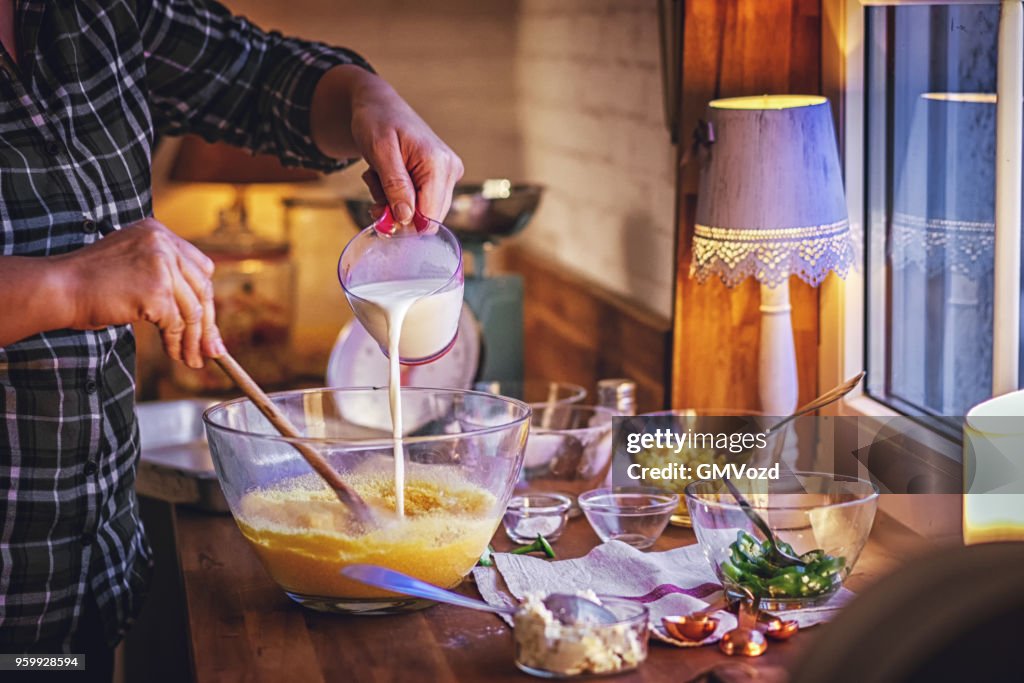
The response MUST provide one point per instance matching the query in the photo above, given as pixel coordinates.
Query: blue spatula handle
(397, 582)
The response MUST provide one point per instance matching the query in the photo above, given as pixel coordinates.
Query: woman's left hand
(410, 166)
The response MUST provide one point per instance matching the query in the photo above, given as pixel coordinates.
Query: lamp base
(776, 371)
(776, 374)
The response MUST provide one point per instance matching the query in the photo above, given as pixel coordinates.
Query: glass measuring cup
(422, 260)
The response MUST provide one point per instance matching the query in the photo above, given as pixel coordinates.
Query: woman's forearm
(142, 272)
(331, 109)
(34, 297)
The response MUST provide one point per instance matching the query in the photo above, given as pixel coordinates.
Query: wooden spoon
(346, 494)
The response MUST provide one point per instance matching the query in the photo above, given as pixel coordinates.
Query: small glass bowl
(584, 650)
(636, 515)
(536, 513)
(569, 449)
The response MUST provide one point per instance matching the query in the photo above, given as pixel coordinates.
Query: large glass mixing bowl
(463, 453)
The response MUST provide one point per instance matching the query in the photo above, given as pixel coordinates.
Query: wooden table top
(243, 627)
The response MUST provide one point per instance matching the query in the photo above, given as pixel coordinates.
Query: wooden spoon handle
(346, 494)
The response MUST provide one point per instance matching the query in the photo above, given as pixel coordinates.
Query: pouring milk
(413, 321)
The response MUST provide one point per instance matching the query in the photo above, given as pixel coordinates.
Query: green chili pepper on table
(485, 557)
(539, 545)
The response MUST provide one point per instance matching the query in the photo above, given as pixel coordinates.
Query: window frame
(843, 339)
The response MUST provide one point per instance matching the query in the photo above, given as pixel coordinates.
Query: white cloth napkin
(674, 582)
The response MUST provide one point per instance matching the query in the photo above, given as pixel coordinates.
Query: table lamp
(771, 205)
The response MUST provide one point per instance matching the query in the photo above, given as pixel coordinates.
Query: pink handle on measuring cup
(386, 223)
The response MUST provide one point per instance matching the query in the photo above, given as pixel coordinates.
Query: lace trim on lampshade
(771, 256)
(937, 245)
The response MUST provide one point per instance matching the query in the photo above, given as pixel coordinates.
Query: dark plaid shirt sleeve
(95, 80)
(218, 75)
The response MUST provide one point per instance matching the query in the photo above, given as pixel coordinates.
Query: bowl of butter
(548, 648)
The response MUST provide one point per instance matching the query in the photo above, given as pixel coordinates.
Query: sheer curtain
(941, 229)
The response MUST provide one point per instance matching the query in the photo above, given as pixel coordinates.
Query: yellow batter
(304, 535)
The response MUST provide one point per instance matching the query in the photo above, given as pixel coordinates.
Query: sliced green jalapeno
(749, 566)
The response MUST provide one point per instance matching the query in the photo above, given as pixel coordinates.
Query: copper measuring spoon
(699, 625)
(695, 626)
(746, 639)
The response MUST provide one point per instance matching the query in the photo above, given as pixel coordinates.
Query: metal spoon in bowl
(830, 396)
(568, 609)
(780, 556)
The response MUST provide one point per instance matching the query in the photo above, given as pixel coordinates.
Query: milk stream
(429, 321)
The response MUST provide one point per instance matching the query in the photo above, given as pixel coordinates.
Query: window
(924, 82)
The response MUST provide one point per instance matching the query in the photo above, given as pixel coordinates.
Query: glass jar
(618, 394)
(254, 293)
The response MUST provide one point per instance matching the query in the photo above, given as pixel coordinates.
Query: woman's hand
(410, 167)
(146, 272)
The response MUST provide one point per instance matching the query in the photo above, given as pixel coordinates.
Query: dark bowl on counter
(480, 212)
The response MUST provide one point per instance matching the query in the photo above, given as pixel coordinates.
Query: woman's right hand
(146, 272)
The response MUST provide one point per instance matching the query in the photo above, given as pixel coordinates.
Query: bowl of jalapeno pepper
(822, 519)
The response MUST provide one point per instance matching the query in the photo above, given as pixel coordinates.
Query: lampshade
(199, 161)
(771, 200)
(944, 205)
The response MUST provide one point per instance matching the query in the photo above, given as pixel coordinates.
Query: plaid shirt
(95, 80)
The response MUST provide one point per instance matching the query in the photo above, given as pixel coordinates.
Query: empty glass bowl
(538, 393)
(463, 451)
(533, 514)
(826, 518)
(636, 515)
(570, 449)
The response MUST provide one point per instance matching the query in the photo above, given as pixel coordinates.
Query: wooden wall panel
(731, 48)
(575, 331)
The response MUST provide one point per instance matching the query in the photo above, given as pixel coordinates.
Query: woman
(86, 87)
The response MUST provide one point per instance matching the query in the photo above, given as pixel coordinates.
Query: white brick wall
(589, 100)
(562, 92)
(451, 59)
